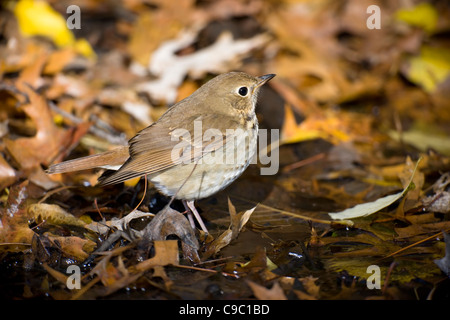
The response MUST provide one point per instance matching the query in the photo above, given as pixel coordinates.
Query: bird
(197, 148)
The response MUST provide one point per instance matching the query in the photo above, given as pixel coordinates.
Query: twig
(296, 215)
(303, 162)
(411, 245)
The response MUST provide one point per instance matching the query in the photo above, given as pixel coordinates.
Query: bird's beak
(263, 79)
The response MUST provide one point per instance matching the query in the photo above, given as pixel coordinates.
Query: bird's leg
(190, 207)
(189, 215)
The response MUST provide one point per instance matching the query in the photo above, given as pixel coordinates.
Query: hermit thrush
(197, 147)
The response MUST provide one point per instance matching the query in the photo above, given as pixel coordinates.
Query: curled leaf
(366, 209)
(238, 220)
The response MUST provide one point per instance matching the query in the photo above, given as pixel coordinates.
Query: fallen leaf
(418, 179)
(61, 277)
(159, 25)
(440, 200)
(424, 137)
(423, 15)
(423, 228)
(38, 18)
(14, 218)
(309, 283)
(335, 127)
(366, 209)
(238, 220)
(75, 247)
(7, 174)
(166, 253)
(171, 69)
(49, 140)
(53, 214)
(58, 60)
(262, 293)
(170, 222)
(430, 68)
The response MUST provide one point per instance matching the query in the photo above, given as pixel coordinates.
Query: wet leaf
(170, 222)
(238, 220)
(351, 123)
(309, 283)
(262, 293)
(75, 247)
(166, 253)
(14, 224)
(53, 214)
(365, 209)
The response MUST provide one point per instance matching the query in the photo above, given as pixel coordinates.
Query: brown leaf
(7, 174)
(48, 141)
(166, 253)
(171, 222)
(53, 214)
(309, 283)
(262, 293)
(58, 60)
(75, 247)
(238, 220)
(14, 217)
(159, 25)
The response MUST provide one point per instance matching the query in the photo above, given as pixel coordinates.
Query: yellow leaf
(424, 15)
(38, 18)
(83, 47)
(430, 69)
(424, 137)
(293, 132)
(328, 125)
(54, 214)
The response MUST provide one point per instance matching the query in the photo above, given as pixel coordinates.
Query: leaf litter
(357, 108)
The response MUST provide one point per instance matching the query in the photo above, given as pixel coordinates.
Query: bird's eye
(243, 91)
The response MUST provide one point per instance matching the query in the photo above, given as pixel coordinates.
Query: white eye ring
(242, 91)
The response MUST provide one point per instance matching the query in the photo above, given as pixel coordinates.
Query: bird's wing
(159, 146)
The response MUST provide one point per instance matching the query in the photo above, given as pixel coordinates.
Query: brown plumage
(225, 107)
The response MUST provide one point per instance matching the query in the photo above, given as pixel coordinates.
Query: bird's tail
(111, 159)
